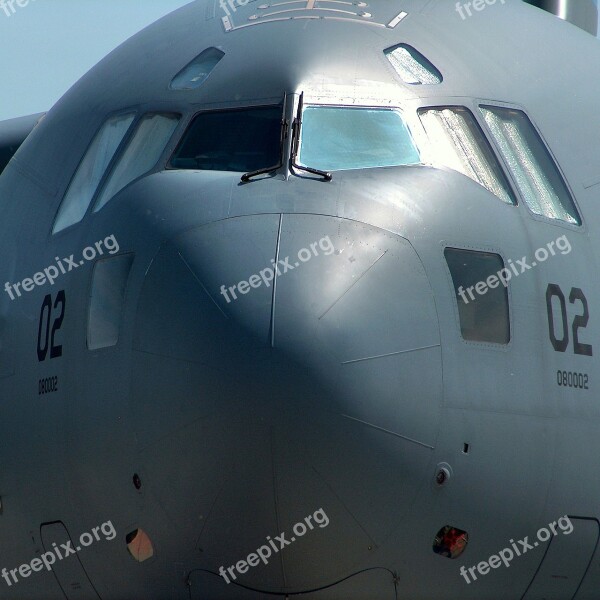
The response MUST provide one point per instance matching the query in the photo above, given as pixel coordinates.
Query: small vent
(412, 67)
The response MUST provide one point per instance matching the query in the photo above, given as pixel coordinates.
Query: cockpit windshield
(240, 140)
(337, 138)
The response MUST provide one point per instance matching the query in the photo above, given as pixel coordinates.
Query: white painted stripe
(397, 20)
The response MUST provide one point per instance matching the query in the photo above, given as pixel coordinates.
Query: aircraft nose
(306, 350)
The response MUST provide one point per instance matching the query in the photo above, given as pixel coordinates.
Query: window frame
(187, 66)
(186, 123)
(92, 138)
(393, 108)
(479, 104)
(473, 104)
(126, 298)
(428, 66)
(121, 150)
(477, 118)
(139, 113)
(461, 246)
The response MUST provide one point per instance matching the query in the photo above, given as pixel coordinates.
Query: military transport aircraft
(300, 298)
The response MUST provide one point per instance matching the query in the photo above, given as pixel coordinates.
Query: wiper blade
(297, 127)
(282, 137)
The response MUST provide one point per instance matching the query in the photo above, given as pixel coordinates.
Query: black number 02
(579, 322)
(46, 336)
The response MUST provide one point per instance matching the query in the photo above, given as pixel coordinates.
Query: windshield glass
(231, 140)
(339, 138)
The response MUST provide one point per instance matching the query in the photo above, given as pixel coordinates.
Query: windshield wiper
(282, 137)
(296, 129)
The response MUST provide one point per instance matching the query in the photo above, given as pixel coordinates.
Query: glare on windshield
(341, 138)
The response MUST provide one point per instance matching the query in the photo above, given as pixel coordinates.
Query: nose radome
(312, 346)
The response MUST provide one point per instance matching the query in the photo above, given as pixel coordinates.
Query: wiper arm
(282, 137)
(296, 129)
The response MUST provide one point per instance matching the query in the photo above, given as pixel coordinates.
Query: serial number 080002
(572, 380)
(48, 385)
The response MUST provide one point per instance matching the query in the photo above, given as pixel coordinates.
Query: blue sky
(47, 45)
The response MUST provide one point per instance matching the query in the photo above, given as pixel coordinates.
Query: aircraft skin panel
(13, 133)
(70, 575)
(236, 356)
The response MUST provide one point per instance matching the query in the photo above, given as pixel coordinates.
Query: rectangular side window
(532, 166)
(107, 298)
(459, 144)
(481, 296)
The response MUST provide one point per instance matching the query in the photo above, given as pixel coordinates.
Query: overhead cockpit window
(195, 73)
(459, 144)
(91, 170)
(142, 153)
(532, 166)
(412, 67)
(481, 295)
(240, 140)
(338, 138)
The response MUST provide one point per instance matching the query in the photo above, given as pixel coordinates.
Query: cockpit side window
(338, 138)
(85, 182)
(142, 153)
(531, 164)
(241, 140)
(481, 295)
(107, 298)
(459, 144)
